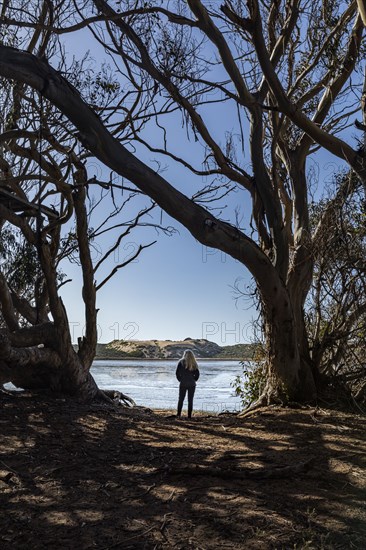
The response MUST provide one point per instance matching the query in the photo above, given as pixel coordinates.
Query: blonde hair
(190, 360)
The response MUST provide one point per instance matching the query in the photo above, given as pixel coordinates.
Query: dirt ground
(84, 477)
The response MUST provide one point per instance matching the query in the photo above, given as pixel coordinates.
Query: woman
(187, 373)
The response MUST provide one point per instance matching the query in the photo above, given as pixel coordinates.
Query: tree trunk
(36, 367)
(289, 373)
(72, 381)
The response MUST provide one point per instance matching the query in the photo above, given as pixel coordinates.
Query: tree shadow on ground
(76, 476)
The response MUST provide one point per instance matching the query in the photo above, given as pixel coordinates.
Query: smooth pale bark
(313, 128)
(361, 4)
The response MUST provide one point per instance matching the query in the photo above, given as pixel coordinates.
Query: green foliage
(19, 260)
(244, 351)
(106, 85)
(20, 264)
(249, 385)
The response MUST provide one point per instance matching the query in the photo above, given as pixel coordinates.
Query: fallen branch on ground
(260, 473)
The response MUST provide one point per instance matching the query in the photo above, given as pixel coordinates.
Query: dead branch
(259, 474)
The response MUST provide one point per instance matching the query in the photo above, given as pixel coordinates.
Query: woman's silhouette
(187, 373)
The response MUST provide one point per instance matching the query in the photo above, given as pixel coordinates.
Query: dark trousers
(182, 393)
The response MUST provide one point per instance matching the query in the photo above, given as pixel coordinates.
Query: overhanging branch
(207, 229)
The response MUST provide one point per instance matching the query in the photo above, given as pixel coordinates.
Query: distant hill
(168, 349)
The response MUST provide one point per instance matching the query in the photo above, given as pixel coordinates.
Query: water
(153, 383)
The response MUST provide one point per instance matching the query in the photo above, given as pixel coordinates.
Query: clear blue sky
(176, 289)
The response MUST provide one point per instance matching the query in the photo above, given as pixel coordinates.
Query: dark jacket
(186, 377)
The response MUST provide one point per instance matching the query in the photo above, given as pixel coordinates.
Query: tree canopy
(286, 81)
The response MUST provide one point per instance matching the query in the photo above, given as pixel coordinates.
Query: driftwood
(258, 473)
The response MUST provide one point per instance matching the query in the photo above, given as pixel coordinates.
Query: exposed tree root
(261, 402)
(118, 398)
(269, 399)
(110, 397)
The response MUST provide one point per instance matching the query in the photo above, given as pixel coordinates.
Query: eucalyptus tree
(283, 81)
(54, 208)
